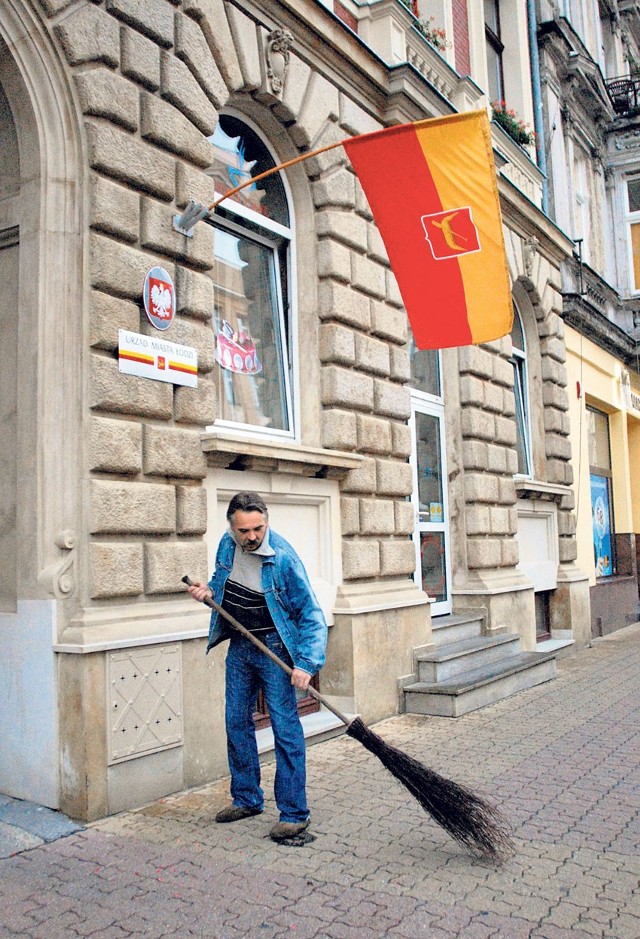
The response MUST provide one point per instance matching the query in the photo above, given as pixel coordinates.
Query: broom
(464, 815)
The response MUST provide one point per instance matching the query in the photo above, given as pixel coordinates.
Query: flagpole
(274, 169)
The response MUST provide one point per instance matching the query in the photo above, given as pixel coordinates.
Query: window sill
(527, 488)
(238, 452)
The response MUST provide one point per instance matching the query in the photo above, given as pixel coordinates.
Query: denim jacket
(290, 598)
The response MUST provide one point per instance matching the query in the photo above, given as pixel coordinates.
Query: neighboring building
(414, 484)
(589, 58)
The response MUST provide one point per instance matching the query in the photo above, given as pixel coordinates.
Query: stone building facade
(117, 484)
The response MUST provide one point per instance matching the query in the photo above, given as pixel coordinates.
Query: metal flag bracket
(193, 213)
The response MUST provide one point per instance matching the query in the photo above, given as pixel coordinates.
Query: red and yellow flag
(432, 189)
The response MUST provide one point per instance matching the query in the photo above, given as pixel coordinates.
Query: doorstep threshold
(313, 725)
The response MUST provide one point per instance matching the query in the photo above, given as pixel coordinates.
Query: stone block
(119, 269)
(287, 109)
(374, 434)
(192, 49)
(339, 302)
(477, 423)
(157, 234)
(368, 276)
(114, 209)
(375, 246)
(130, 160)
(557, 447)
(509, 552)
(194, 294)
(400, 364)
(397, 558)
(140, 59)
(360, 559)
(480, 487)
(474, 455)
(88, 34)
(567, 550)
(111, 390)
(105, 94)
(566, 524)
(345, 227)
(361, 479)
(401, 440)
(377, 517)
(193, 184)
(350, 516)
(404, 518)
(554, 396)
(338, 429)
(474, 360)
(555, 348)
(164, 125)
(505, 430)
(173, 452)
(321, 103)
(508, 402)
(117, 569)
(503, 372)
(191, 510)
(393, 478)
(501, 520)
(180, 88)
(484, 553)
(337, 344)
(166, 563)
(246, 45)
(391, 400)
(211, 17)
(493, 397)
(477, 520)
(336, 190)
(334, 260)
(153, 18)
(372, 355)
(392, 291)
(132, 508)
(387, 322)
(116, 446)
(497, 458)
(472, 390)
(506, 491)
(560, 472)
(341, 387)
(108, 315)
(196, 405)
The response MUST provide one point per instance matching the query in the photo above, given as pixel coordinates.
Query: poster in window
(601, 513)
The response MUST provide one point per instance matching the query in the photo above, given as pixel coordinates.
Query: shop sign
(151, 357)
(159, 298)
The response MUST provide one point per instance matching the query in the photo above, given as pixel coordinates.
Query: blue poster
(601, 514)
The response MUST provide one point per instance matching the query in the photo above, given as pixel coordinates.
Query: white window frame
(267, 226)
(630, 218)
(521, 376)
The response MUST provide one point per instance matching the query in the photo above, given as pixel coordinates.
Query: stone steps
(468, 671)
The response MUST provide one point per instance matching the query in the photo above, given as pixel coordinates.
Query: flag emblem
(451, 234)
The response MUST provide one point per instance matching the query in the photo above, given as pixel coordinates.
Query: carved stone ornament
(279, 41)
(630, 141)
(59, 578)
(529, 251)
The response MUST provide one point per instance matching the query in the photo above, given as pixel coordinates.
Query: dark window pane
(633, 192)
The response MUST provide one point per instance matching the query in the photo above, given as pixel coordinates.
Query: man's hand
(300, 679)
(199, 590)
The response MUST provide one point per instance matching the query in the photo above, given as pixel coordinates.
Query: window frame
(493, 42)
(631, 218)
(605, 473)
(239, 219)
(521, 379)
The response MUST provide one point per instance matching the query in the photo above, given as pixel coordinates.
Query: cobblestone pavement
(562, 759)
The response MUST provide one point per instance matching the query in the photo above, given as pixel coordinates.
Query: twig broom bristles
(464, 815)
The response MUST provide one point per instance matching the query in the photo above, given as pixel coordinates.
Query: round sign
(159, 298)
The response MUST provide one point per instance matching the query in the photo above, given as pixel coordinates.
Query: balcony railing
(625, 94)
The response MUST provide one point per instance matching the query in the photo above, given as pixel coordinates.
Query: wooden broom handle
(210, 602)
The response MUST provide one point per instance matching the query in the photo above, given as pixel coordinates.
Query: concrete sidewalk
(562, 759)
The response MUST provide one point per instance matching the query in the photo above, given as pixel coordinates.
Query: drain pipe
(536, 87)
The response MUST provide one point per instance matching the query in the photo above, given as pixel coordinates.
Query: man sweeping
(260, 580)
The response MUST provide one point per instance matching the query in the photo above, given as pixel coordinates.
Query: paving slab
(562, 760)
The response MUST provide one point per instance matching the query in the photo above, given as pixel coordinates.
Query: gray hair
(247, 502)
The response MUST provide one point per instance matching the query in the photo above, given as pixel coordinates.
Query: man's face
(249, 528)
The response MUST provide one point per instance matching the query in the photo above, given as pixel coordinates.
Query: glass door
(430, 502)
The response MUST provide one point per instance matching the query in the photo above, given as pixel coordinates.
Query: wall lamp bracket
(193, 213)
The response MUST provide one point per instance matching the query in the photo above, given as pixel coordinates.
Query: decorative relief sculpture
(59, 578)
(279, 41)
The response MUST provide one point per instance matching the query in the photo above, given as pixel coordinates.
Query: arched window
(521, 391)
(251, 319)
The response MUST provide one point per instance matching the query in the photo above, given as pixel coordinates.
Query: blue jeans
(247, 670)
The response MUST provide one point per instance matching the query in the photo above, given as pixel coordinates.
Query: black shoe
(233, 813)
